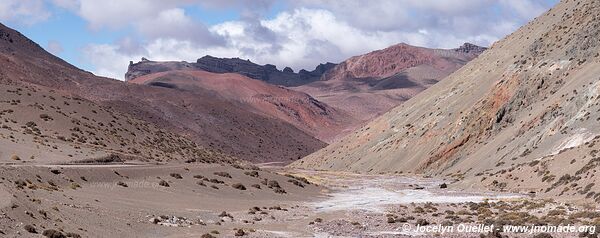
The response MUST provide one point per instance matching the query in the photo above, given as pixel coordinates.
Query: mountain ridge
(522, 111)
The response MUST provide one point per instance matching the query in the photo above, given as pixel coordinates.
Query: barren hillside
(208, 120)
(371, 84)
(523, 116)
(299, 109)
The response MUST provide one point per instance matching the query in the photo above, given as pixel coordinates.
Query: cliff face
(268, 73)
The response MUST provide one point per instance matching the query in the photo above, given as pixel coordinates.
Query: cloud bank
(301, 34)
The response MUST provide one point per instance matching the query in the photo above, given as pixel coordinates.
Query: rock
(443, 185)
(288, 70)
(470, 49)
(267, 72)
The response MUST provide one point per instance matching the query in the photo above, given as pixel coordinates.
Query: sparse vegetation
(238, 186)
(163, 183)
(223, 174)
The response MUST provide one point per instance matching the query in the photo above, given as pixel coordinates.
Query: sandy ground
(127, 200)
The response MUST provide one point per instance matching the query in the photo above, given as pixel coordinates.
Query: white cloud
(23, 11)
(307, 33)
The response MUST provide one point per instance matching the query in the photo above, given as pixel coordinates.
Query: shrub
(239, 186)
(51, 233)
(273, 184)
(251, 173)
(163, 183)
(176, 176)
(30, 229)
(422, 222)
(223, 174)
(240, 232)
(257, 186)
(73, 235)
(207, 236)
(122, 184)
(15, 157)
(45, 117)
(74, 186)
(296, 182)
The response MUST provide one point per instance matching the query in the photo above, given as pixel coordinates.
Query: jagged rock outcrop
(470, 49)
(268, 73)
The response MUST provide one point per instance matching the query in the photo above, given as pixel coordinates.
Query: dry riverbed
(200, 200)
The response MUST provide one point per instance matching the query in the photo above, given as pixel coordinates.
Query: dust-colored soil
(520, 117)
(116, 200)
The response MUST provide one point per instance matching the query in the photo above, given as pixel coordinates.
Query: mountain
(521, 117)
(204, 118)
(299, 109)
(268, 73)
(371, 84)
(357, 89)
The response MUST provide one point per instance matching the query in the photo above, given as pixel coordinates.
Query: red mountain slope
(208, 120)
(296, 108)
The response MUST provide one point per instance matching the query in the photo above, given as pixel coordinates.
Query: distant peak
(470, 48)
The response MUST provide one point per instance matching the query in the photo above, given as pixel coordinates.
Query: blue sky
(103, 36)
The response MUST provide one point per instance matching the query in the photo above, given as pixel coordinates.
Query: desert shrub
(422, 222)
(74, 186)
(216, 181)
(251, 173)
(45, 117)
(163, 183)
(279, 190)
(15, 157)
(122, 184)
(207, 236)
(73, 235)
(20, 184)
(55, 171)
(223, 174)
(257, 186)
(273, 184)
(542, 235)
(30, 229)
(176, 176)
(238, 186)
(51, 233)
(240, 232)
(296, 182)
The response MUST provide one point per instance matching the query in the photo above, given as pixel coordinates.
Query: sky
(102, 36)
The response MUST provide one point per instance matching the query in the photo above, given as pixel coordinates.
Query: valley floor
(206, 200)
